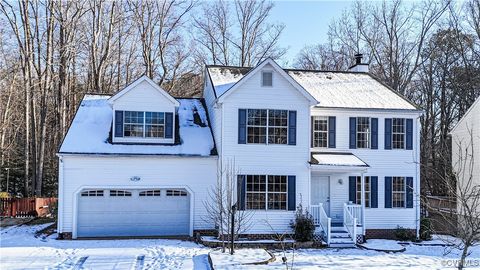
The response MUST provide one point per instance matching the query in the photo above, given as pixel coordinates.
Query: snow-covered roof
(337, 159)
(332, 89)
(223, 78)
(90, 131)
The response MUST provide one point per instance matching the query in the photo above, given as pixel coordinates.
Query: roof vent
(359, 66)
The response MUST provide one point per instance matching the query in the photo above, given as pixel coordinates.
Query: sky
(306, 23)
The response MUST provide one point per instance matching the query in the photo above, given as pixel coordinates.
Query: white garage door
(149, 212)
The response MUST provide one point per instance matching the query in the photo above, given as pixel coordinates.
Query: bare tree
(218, 27)
(222, 204)
(462, 185)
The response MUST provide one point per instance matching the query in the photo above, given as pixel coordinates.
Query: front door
(321, 192)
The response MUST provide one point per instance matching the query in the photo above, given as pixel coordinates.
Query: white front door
(321, 192)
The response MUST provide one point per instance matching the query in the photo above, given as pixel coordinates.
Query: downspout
(417, 183)
(60, 193)
(363, 203)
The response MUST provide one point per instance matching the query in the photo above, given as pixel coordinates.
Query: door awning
(337, 161)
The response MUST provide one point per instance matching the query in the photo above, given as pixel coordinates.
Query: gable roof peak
(143, 78)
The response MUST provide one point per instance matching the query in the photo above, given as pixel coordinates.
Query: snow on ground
(19, 249)
(383, 245)
(248, 255)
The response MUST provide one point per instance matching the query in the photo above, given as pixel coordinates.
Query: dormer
(143, 113)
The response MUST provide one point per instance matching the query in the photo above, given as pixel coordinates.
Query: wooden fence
(25, 207)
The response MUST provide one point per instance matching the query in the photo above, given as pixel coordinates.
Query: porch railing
(350, 222)
(321, 219)
(356, 211)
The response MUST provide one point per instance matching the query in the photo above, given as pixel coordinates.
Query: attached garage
(133, 212)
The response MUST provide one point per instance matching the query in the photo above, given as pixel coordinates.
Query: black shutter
(374, 133)
(292, 127)
(168, 125)
(352, 189)
(353, 132)
(118, 123)
(409, 140)
(292, 205)
(242, 126)
(241, 191)
(331, 131)
(373, 192)
(388, 192)
(388, 133)
(409, 189)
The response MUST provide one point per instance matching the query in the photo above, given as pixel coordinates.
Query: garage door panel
(133, 215)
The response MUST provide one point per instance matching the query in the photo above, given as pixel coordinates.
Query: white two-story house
(341, 144)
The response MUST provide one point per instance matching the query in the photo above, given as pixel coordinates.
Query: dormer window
(267, 78)
(144, 125)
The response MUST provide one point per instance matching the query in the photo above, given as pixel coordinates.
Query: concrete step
(342, 245)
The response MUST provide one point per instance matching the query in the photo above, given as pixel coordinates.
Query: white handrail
(356, 211)
(320, 218)
(350, 222)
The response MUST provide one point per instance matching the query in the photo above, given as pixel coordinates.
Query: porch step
(342, 245)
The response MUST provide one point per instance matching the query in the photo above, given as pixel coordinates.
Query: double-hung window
(367, 190)
(398, 133)
(320, 131)
(133, 124)
(144, 124)
(266, 192)
(267, 126)
(398, 192)
(363, 132)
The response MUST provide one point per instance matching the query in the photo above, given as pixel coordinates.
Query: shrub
(404, 234)
(425, 229)
(303, 225)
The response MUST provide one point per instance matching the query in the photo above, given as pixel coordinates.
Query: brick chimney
(359, 66)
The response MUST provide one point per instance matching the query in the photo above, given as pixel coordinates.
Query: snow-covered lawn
(19, 249)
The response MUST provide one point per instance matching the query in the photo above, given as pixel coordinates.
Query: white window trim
(266, 193)
(145, 125)
(404, 134)
(400, 192)
(261, 79)
(315, 131)
(360, 191)
(267, 127)
(369, 146)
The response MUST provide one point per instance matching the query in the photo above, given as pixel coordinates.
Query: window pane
(255, 201)
(277, 201)
(130, 130)
(398, 133)
(133, 117)
(257, 117)
(363, 132)
(256, 134)
(277, 118)
(155, 118)
(320, 131)
(398, 192)
(277, 135)
(359, 190)
(155, 131)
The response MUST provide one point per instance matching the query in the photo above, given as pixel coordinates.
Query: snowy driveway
(21, 250)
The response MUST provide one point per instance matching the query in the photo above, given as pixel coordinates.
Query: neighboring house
(466, 152)
(342, 144)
